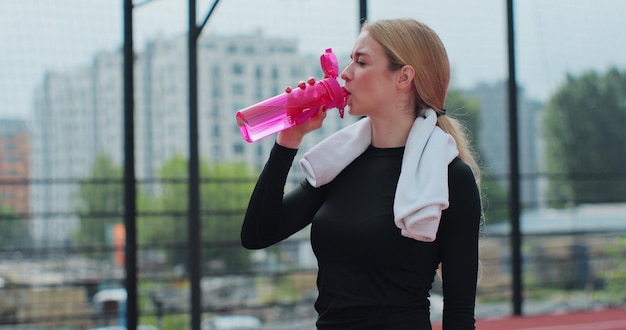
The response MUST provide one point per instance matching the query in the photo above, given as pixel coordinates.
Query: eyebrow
(359, 54)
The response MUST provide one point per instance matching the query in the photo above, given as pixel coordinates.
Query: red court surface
(605, 319)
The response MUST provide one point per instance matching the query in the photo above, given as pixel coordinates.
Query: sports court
(604, 319)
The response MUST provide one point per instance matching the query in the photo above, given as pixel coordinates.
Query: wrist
(289, 140)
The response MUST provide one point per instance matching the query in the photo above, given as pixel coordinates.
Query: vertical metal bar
(514, 192)
(362, 13)
(195, 255)
(130, 214)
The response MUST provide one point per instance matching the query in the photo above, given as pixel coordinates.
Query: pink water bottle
(295, 106)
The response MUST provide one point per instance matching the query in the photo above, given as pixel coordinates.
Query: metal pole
(514, 193)
(195, 255)
(195, 225)
(130, 214)
(362, 13)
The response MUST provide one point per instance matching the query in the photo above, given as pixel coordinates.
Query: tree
(468, 112)
(585, 130)
(100, 203)
(225, 190)
(13, 229)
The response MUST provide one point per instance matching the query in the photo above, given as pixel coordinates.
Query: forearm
(459, 251)
(272, 217)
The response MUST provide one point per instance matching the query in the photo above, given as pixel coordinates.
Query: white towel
(422, 190)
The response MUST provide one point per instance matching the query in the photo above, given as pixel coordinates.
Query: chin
(352, 111)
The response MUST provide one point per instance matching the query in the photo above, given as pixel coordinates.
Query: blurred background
(77, 251)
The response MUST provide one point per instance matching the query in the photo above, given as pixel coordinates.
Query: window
(238, 89)
(275, 72)
(238, 148)
(249, 50)
(216, 92)
(296, 71)
(217, 152)
(237, 107)
(259, 92)
(215, 71)
(238, 69)
(288, 50)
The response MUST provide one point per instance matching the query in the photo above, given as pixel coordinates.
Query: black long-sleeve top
(369, 276)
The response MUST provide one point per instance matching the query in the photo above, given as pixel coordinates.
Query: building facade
(79, 115)
(494, 139)
(14, 165)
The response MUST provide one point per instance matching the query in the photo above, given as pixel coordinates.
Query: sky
(553, 38)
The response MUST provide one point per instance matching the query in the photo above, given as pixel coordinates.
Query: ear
(405, 77)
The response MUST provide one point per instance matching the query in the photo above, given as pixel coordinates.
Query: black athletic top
(369, 276)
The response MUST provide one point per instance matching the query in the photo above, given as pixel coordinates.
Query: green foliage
(495, 200)
(224, 193)
(468, 112)
(100, 203)
(162, 220)
(584, 129)
(616, 276)
(13, 230)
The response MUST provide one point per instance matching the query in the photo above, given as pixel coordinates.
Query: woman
(404, 205)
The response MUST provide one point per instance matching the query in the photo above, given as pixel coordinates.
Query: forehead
(366, 45)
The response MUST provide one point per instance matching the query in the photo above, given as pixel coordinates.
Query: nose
(344, 74)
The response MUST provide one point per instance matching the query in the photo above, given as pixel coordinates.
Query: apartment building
(79, 114)
(494, 139)
(14, 165)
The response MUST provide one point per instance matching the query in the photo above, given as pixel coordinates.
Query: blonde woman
(390, 199)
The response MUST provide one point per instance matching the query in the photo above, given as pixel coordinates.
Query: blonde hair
(409, 42)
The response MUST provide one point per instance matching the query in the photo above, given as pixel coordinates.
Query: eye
(358, 60)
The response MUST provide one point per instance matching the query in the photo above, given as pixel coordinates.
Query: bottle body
(285, 110)
(294, 107)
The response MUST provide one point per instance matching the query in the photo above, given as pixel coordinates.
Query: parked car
(232, 322)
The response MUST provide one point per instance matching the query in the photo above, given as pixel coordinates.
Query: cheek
(369, 88)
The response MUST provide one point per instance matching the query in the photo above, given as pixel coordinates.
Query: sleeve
(459, 234)
(273, 216)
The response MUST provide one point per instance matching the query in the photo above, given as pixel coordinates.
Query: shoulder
(462, 185)
(464, 210)
(460, 172)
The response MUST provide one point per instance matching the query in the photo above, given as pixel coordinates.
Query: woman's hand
(292, 137)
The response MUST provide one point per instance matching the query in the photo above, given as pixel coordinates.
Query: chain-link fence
(63, 254)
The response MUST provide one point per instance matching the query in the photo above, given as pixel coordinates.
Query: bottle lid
(329, 63)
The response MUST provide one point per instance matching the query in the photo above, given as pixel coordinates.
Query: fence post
(514, 187)
(194, 225)
(130, 213)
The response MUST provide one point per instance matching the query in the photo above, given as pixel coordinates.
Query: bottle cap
(329, 63)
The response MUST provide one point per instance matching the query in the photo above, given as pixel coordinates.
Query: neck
(391, 132)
